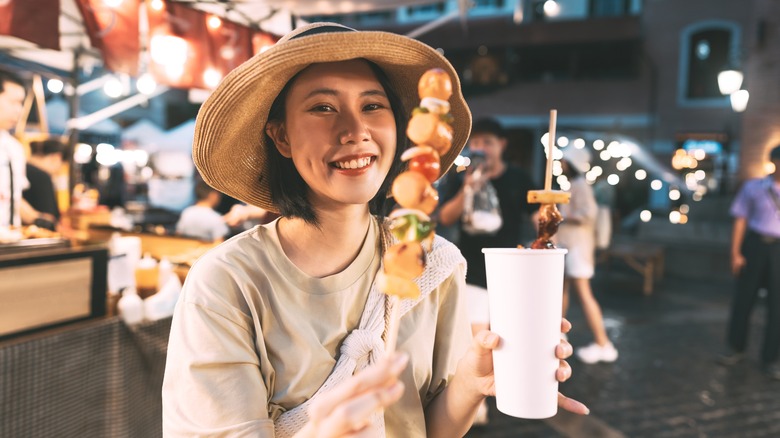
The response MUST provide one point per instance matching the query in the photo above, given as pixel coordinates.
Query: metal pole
(73, 112)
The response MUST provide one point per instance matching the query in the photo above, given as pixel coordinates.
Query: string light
(113, 88)
(146, 84)
(551, 8)
(211, 77)
(55, 85)
(214, 22)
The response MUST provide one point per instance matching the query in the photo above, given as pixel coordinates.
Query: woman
(577, 233)
(272, 324)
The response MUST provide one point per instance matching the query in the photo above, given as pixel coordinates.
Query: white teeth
(353, 164)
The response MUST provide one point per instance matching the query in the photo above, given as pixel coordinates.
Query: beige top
(253, 336)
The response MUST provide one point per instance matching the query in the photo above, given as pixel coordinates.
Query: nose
(352, 128)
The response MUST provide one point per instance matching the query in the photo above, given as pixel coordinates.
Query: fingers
(563, 350)
(565, 325)
(485, 341)
(379, 376)
(563, 372)
(572, 405)
(355, 415)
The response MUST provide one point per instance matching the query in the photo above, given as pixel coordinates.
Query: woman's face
(339, 131)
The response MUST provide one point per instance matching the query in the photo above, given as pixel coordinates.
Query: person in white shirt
(13, 178)
(201, 220)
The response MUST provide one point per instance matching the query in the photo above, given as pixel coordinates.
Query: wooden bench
(645, 258)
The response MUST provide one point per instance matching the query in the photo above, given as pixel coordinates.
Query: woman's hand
(345, 411)
(563, 351)
(478, 363)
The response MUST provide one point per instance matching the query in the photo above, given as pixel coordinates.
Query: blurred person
(488, 141)
(45, 162)
(577, 234)
(755, 261)
(511, 183)
(14, 210)
(245, 216)
(201, 220)
(605, 200)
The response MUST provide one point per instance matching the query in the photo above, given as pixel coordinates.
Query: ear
(275, 130)
(502, 141)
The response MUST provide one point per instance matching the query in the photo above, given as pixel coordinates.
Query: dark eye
(373, 107)
(323, 108)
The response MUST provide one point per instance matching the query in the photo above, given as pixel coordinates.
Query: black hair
(46, 147)
(571, 170)
(6, 76)
(488, 126)
(202, 189)
(289, 192)
(774, 153)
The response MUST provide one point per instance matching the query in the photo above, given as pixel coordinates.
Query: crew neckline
(325, 285)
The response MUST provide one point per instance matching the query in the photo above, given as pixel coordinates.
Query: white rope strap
(365, 345)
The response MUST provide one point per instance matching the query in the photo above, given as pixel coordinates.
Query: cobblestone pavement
(665, 382)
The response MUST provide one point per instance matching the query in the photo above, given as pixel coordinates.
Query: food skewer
(429, 129)
(549, 216)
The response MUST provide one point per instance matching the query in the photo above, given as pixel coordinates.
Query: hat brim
(229, 144)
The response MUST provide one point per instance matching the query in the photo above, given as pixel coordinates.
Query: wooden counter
(177, 249)
(48, 286)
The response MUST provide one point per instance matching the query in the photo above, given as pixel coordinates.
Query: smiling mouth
(357, 163)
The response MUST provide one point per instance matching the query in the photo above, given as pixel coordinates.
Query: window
(708, 55)
(376, 18)
(609, 8)
(706, 49)
(426, 10)
(488, 4)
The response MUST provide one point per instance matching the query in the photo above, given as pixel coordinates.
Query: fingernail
(490, 338)
(587, 411)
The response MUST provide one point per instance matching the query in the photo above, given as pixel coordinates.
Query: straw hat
(229, 145)
(578, 158)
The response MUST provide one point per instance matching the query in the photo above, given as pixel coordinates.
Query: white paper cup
(525, 290)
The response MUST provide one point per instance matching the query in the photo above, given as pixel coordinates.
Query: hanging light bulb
(729, 81)
(157, 5)
(739, 100)
(171, 52)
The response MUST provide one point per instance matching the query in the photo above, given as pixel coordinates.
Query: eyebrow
(332, 92)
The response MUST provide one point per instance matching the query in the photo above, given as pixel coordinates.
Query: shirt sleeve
(213, 386)
(453, 332)
(449, 186)
(740, 207)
